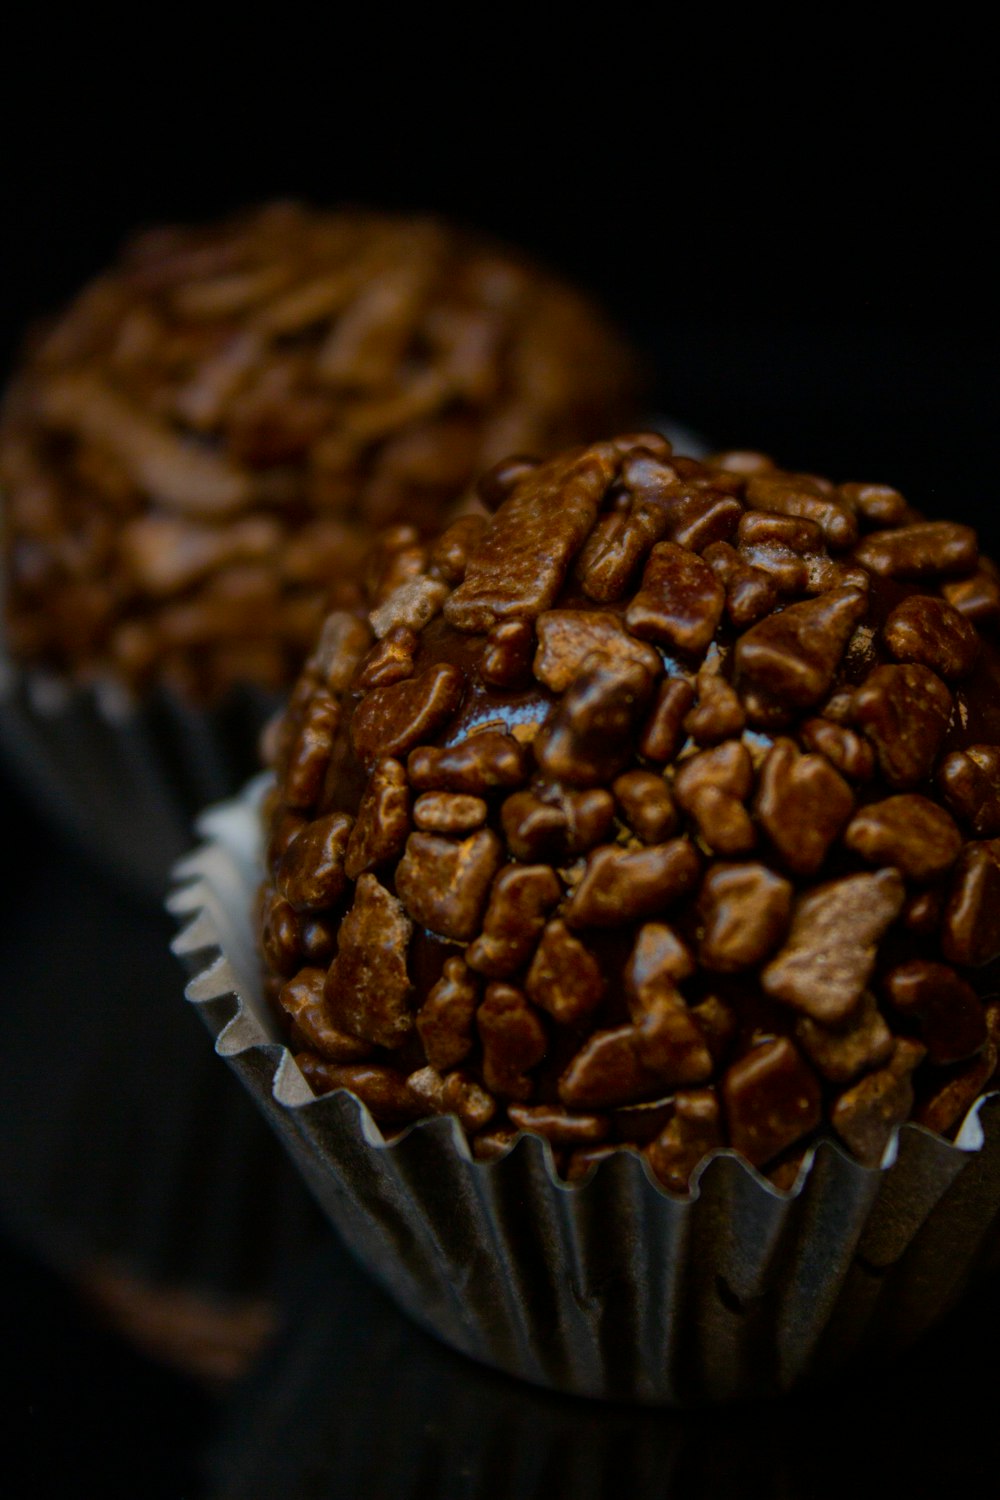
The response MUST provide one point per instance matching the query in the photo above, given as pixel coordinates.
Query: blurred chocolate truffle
(660, 810)
(193, 454)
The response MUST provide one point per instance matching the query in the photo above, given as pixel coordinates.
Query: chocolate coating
(707, 762)
(194, 455)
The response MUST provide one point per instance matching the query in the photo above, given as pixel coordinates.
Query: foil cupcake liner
(125, 779)
(301, 1426)
(615, 1287)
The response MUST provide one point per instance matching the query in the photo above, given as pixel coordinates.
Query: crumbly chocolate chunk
(450, 555)
(409, 608)
(823, 968)
(449, 812)
(772, 1100)
(309, 752)
(802, 804)
(933, 634)
(566, 637)
(866, 1115)
(662, 734)
(679, 603)
(513, 1040)
(367, 986)
(951, 1099)
(694, 1129)
(745, 910)
(621, 885)
(312, 874)
(565, 978)
(383, 1090)
(646, 805)
(477, 765)
(718, 713)
(608, 1070)
(444, 884)
(977, 599)
(857, 1045)
(304, 1000)
(846, 751)
(913, 833)
(712, 788)
(970, 935)
(457, 1094)
(390, 660)
(927, 549)
(750, 592)
(948, 1013)
(620, 540)
(657, 964)
(525, 553)
(446, 1019)
(588, 738)
(560, 1126)
(343, 641)
(383, 821)
(788, 660)
(506, 660)
(969, 781)
(799, 497)
(520, 899)
(563, 825)
(876, 504)
(391, 720)
(686, 833)
(905, 712)
(669, 1041)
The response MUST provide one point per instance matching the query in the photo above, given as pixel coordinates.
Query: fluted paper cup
(125, 778)
(614, 1287)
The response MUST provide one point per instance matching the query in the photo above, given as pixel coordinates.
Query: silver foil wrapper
(125, 779)
(614, 1287)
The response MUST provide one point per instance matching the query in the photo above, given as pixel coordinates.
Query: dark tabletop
(356, 1402)
(821, 293)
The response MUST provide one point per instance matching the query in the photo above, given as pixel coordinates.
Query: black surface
(805, 259)
(354, 1403)
(86, 1415)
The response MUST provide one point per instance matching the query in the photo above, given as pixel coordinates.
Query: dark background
(803, 255)
(801, 247)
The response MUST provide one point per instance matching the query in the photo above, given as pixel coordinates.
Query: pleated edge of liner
(49, 696)
(193, 901)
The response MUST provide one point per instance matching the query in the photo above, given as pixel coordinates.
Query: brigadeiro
(194, 454)
(653, 820)
(657, 810)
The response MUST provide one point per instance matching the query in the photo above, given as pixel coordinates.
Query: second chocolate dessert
(660, 811)
(193, 455)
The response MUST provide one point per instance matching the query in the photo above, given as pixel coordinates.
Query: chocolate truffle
(193, 454)
(660, 810)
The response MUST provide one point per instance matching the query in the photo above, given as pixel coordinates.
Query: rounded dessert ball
(193, 455)
(660, 810)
